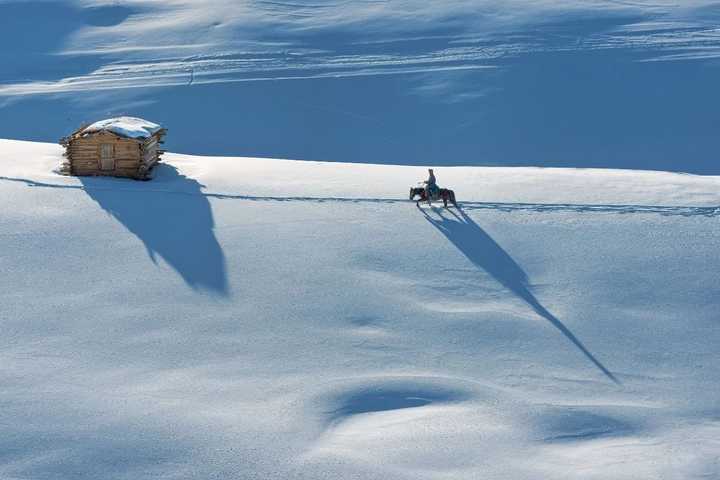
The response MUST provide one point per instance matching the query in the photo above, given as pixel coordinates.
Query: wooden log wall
(133, 158)
(151, 153)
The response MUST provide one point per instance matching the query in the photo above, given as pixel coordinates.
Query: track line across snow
(665, 210)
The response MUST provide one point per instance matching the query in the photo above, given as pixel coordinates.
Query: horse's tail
(412, 193)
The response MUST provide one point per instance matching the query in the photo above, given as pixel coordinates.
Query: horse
(444, 194)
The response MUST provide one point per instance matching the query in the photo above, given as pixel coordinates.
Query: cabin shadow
(175, 225)
(486, 254)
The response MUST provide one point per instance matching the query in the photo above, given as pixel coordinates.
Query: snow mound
(390, 394)
(129, 127)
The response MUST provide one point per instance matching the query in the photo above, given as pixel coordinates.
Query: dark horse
(444, 194)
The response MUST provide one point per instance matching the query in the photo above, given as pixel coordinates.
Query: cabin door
(107, 156)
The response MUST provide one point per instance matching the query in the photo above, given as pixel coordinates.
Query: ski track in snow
(154, 45)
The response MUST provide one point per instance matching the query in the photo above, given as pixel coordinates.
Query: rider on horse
(430, 191)
(431, 188)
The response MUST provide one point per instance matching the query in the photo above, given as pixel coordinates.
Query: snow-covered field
(247, 318)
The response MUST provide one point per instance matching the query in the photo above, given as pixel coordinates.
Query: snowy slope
(247, 318)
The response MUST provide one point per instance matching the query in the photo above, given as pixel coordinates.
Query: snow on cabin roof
(129, 127)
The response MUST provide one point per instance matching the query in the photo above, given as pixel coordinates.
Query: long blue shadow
(178, 228)
(486, 254)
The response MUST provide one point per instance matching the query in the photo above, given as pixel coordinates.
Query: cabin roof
(128, 127)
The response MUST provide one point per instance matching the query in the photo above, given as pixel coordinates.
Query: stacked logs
(108, 154)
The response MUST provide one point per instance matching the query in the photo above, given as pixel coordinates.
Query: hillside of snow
(274, 319)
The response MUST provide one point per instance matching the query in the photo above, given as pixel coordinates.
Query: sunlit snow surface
(583, 83)
(255, 318)
(130, 127)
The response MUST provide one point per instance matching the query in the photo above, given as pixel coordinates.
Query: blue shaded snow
(580, 89)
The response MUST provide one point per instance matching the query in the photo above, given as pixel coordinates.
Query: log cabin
(118, 147)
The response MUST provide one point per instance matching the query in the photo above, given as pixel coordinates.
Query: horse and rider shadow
(486, 254)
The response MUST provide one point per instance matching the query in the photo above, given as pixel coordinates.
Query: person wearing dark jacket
(431, 187)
